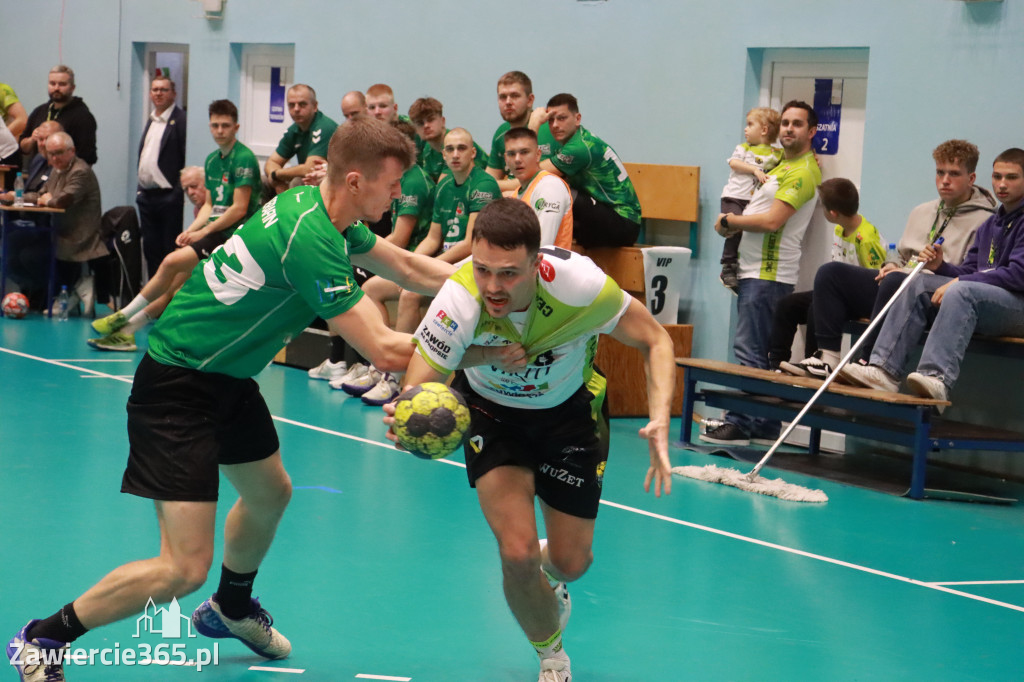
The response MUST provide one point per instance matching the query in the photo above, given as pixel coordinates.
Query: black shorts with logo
(560, 445)
(183, 423)
(208, 244)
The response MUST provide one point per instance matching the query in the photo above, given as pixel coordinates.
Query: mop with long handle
(753, 482)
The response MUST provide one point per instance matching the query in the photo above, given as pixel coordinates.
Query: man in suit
(161, 158)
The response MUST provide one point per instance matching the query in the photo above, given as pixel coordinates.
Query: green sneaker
(110, 324)
(116, 341)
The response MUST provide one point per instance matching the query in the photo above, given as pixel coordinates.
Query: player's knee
(520, 561)
(188, 574)
(571, 564)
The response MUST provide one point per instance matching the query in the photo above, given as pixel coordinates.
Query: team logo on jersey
(445, 323)
(477, 443)
(539, 204)
(564, 158)
(547, 271)
(330, 289)
(226, 178)
(480, 195)
(316, 136)
(460, 209)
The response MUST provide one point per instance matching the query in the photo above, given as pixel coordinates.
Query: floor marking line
(268, 669)
(979, 582)
(724, 533)
(364, 676)
(95, 359)
(811, 555)
(102, 376)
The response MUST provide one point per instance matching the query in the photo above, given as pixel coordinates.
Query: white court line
(95, 359)
(940, 587)
(981, 582)
(268, 669)
(112, 376)
(364, 676)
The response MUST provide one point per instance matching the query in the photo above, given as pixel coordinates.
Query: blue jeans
(755, 312)
(966, 308)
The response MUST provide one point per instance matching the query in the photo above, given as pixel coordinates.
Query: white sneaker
(385, 391)
(869, 376)
(555, 670)
(328, 370)
(924, 386)
(812, 366)
(561, 593)
(363, 383)
(355, 370)
(256, 630)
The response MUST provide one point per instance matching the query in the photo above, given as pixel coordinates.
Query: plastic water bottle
(892, 255)
(62, 304)
(19, 190)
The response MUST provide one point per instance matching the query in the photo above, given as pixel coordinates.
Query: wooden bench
(895, 418)
(666, 193)
(1002, 346)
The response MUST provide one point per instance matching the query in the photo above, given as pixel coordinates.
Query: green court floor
(383, 567)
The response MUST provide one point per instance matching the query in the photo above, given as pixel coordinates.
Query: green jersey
(454, 203)
(312, 142)
(239, 168)
(497, 156)
(417, 200)
(433, 161)
(287, 265)
(590, 165)
(547, 143)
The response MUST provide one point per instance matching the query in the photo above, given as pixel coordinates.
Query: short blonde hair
(362, 144)
(957, 151)
(770, 119)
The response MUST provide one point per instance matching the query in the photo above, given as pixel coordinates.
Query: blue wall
(665, 81)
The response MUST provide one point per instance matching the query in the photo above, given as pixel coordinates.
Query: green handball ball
(431, 420)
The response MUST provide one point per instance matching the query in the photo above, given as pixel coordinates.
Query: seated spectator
(38, 169)
(606, 211)
(71, 111)
(72, 186)
(845, 292)
(306, 139)
(427, 115)
(546, 193)
(985, 294)
(193, 183)
(353, 104)
(856, 242)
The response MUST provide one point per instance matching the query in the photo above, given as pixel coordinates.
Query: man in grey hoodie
(844, 292)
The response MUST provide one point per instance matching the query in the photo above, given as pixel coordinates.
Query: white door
(835, 80)
(267, 73)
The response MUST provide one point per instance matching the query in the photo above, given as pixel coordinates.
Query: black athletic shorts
(560, 445)
(205, 246)
(183, 423)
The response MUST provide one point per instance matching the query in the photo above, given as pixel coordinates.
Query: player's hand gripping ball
(431, 420)
(15, 305)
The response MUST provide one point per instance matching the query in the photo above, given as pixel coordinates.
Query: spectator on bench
(856, 242)
(774, 223)
(844, 292)
(353, 103)
(985, 294)
(306, 139)
(606, 210)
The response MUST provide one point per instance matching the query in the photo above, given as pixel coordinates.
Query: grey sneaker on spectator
(730, 276)
(924, 386)
(328, 370)
(869, 376)
(354, 371)
(726, 434)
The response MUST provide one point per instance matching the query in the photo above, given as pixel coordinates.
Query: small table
(8, 214)
(3, 173)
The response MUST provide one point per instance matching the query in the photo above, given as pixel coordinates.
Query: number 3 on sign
(658, 285)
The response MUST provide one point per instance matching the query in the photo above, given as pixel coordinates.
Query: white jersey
(575, 301)
(549, 196)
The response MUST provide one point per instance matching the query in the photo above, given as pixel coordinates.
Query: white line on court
(268, 669)
(364, 676)
(100, 376)
(94, 359)
(940, 587)
(979, 582)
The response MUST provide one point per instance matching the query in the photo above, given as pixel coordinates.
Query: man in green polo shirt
(306, 139)
(195, 411)
(427, 114)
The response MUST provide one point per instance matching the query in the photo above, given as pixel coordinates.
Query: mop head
(772, 487)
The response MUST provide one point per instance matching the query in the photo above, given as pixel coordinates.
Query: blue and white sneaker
(254, 630)
(36, 660)
(385, 391)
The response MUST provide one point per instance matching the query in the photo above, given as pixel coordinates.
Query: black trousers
(160, 212)
(597, 224)
(791, 311)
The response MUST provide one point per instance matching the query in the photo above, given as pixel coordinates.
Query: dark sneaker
(36, 660)
(730, 276)
(726, 434)
(254, 630)
(813, 367)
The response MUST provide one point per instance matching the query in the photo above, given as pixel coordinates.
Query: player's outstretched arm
(418, 372)
(411, 271)
(638, 328)
(364, 328)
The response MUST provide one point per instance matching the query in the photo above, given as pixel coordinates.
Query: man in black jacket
(70, 111)
(161, 158)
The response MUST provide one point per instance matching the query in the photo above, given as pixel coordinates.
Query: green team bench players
(194, 407)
